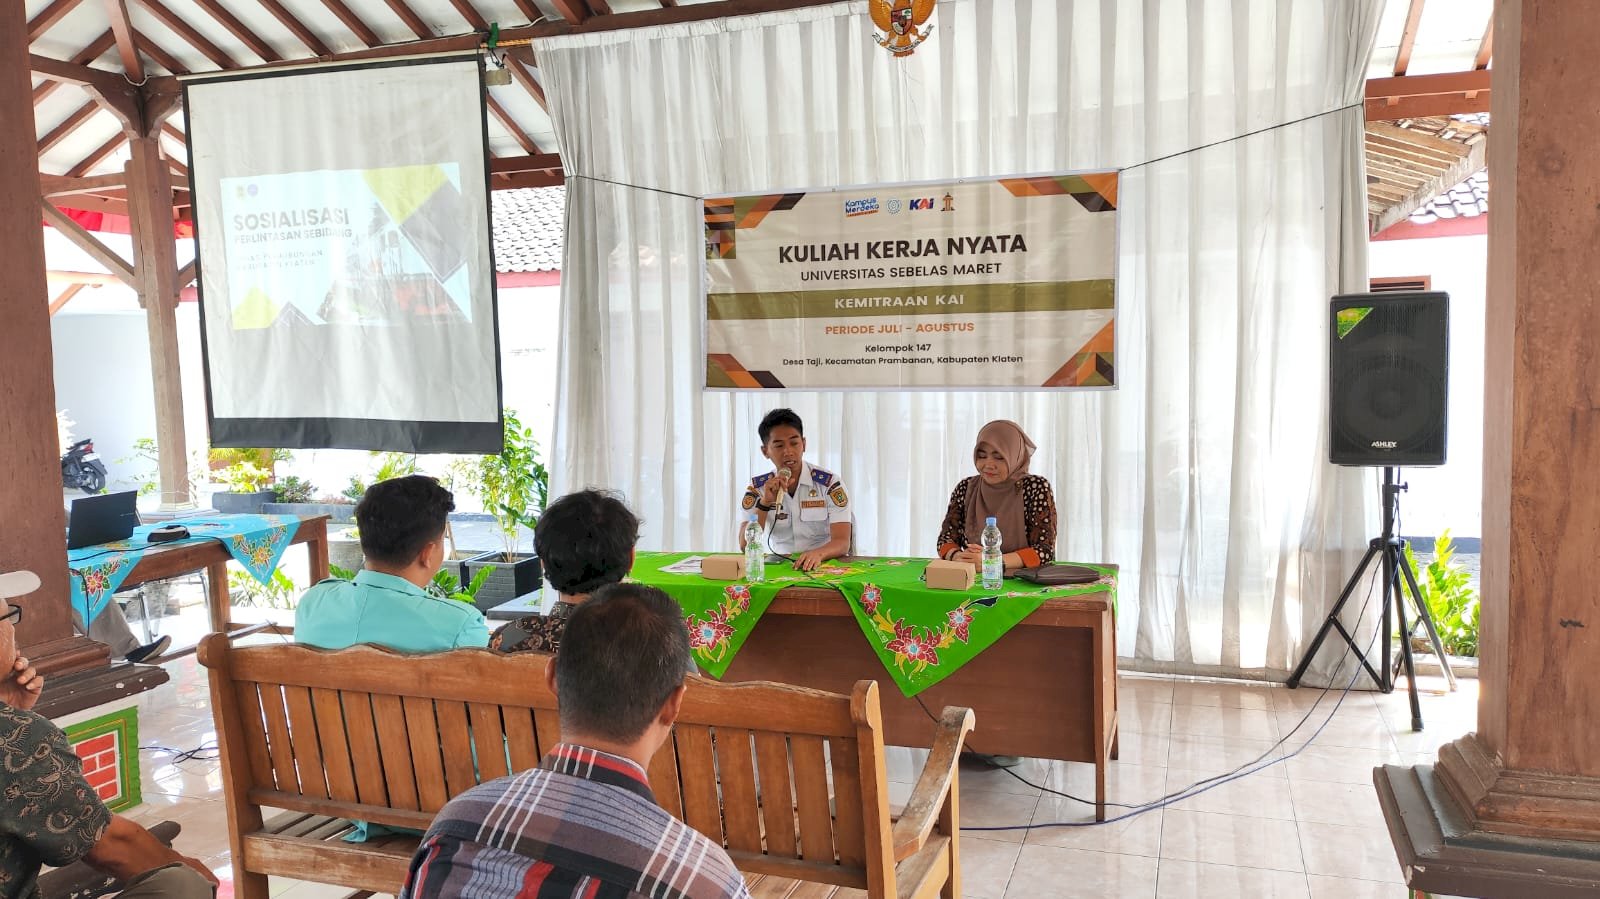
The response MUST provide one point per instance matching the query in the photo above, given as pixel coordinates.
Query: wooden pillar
(1514, 809)
(156, 277)
(32, 523)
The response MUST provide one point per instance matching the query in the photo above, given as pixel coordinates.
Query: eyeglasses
(15, 615)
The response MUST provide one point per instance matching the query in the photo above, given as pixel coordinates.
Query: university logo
(921, 203)
(861, 206)
(901, 22)
(949, 204)
(893, 206)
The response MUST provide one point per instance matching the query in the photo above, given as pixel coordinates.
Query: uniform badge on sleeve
(749, 500)
(838, 496)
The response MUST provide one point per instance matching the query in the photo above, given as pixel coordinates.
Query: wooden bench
(368, 734)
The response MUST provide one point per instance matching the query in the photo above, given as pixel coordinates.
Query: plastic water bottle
(755, 557)
(993, 567)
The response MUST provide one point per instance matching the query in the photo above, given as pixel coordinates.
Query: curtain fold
(1203, 475)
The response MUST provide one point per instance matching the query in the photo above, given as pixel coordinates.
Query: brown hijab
(1002, 501)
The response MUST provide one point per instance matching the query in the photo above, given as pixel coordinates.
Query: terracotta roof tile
(527, 229)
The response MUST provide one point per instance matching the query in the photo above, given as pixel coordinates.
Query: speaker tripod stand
(1397, 578)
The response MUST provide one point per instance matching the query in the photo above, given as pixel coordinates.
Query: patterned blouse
(533, 633)
(49, 815)
(1038, 509)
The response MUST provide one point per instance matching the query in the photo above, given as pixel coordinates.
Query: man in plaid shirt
(584, 823)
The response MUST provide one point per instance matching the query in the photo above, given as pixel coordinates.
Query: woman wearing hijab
(1020, 503)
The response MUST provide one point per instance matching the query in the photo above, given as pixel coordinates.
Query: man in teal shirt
(402, 524)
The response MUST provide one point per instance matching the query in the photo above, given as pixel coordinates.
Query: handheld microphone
(785, 474)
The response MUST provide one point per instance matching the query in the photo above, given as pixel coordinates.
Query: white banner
(1005, 283)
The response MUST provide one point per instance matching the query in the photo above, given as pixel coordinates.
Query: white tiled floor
(1305, 827)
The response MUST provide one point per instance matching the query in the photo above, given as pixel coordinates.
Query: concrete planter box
(345, 553)
(509, 581)
(242, 503)
(338, 513)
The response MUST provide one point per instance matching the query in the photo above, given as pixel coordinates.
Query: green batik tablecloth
(923, 636)
(721, 614)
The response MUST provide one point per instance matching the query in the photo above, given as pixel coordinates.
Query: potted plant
(294, 495)
(247, 475)
(514, 487)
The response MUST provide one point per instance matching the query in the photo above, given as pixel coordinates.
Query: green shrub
(294, 490)
(1447, 590)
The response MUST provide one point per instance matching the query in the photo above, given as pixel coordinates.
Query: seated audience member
(585, 541)
(402, 524)
(111, 628)
(49, 815)
(1021, 503)
(584, 823)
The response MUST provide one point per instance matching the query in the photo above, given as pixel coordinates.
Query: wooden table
(176, 560)
(1047, 689)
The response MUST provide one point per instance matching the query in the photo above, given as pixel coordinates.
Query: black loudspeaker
(1388, 361)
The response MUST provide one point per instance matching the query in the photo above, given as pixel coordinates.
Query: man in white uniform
(804, 509)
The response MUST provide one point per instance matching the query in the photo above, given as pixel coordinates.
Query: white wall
(1450, 496)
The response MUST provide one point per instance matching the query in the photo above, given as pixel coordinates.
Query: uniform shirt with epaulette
(802, 522)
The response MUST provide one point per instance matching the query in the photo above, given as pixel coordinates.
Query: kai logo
(921, 203)
(901, 22)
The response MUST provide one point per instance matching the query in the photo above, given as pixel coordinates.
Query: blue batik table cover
(256, 542)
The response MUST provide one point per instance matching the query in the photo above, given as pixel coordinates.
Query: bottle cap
(990, 520)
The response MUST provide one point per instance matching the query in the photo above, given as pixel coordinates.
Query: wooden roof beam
(88, 242)
(67, 126)
(60, 302)
(527, 179)
(646, 18)
(353, 22)
(1424, 193)
(109, 89)
(1485, 46)
(85, 56)
(1408, 38)
(193, 38)
(520, 74)
(239, 30)
(296, 27)
(62, 186)
(511, 126)
(411, 20)
(474, 19)
(48, 16)
(159, 55)
(540, 162)
(122, 29)
(575, 11)
(1416, 96)
(95, 158)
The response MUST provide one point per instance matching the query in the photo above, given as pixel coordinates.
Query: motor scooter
(81, 467)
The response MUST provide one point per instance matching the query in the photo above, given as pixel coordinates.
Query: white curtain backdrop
(1204, 475)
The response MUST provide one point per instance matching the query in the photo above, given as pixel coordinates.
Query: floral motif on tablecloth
(259, 553)
(918, 647)
(709, 634)
(96, 582)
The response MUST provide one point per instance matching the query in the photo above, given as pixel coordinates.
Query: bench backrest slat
(789, 779)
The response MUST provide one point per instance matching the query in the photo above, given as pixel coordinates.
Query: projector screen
(346, 272)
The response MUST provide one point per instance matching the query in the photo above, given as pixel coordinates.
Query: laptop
(101, 519)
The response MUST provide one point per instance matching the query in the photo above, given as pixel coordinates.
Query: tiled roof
(527, 229)
(1469, 198)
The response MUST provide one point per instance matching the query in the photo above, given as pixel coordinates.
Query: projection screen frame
(417, 437)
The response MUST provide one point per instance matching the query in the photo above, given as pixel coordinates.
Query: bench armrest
(933, 785)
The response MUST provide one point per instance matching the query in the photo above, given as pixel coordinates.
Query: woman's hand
(973, 553)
